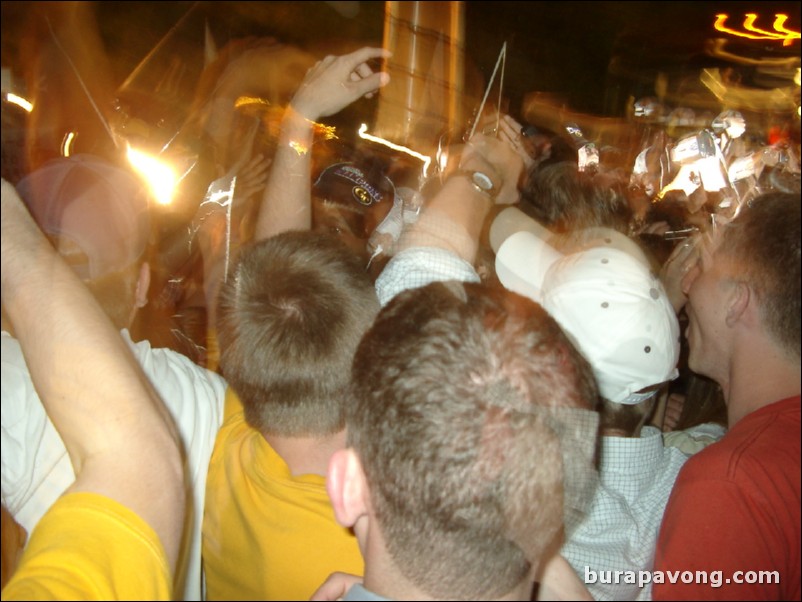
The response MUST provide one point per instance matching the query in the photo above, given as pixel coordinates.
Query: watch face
(482, 181)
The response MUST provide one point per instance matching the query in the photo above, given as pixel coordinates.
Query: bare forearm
(328, 87)
(287, 203)
(452, 220)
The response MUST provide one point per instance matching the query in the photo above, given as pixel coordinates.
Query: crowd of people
(533, 375)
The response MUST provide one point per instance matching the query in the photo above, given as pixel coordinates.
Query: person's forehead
(324, 206)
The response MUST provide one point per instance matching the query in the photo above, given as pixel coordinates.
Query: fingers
(681, 261)
(335, 586)
(355, 63)
(673, 411)
(510, 133)
(326, 61)
(685, 253)
(255, 168)
(362, 70)
(510, 128)
(512, 123)
(370, 84)
(254, 162)
(511, 136)
(353, 60)
(336, 81)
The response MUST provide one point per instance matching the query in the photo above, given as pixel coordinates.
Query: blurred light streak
(426, 160)
(66, 145)
(779, 25)
(749, 25)
(780, 31)
(250, 101)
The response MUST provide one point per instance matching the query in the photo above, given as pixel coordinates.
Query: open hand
(335, 82)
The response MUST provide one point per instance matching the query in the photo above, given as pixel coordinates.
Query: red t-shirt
(734, 512)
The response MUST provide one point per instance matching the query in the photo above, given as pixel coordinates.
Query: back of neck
(306, 455)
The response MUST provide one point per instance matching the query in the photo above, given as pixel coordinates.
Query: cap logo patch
(361, 195)
(363, 191)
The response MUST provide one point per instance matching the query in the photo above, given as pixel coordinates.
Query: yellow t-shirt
(267, 535)
(212, 350)
(90, 547)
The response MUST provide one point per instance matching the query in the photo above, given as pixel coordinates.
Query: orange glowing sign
(752, 32)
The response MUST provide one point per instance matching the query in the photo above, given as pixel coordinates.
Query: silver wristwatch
(481, 181)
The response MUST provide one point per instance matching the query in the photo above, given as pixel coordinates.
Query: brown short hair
(455, 413)
(290, 318)
(564, 199)
(764, 240)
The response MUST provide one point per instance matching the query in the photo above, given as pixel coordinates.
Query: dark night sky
(560, 47)
(563, 47)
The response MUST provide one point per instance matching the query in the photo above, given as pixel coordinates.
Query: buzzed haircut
(290, 318)
(464, 399)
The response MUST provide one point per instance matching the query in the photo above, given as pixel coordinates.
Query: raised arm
(454, 217)
(120, 438)
(443, 243)
(328, 87)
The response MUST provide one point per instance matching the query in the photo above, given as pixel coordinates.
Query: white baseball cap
(512, 220)
(100, 206)
(606, 298)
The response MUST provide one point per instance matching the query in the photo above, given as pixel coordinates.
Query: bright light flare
(21, 102)
(299, 148)
(160, 177)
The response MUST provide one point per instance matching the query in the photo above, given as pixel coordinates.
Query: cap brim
(512, 220)
(522, 261)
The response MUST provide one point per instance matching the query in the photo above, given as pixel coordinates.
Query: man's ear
(347, 487)
(739, 301)
(143, 285)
